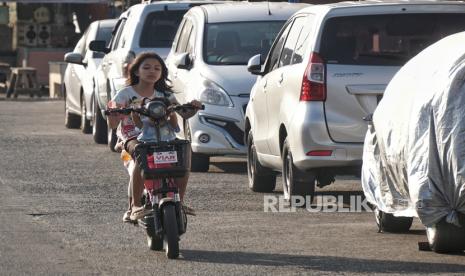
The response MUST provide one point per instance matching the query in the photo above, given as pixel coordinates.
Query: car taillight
(320, 153)
(313, 81)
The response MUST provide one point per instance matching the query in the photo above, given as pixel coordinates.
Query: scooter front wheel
(171, 237)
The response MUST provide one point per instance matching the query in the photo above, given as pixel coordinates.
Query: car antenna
(268, 4)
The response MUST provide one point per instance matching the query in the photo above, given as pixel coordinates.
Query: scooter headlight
(157, 109)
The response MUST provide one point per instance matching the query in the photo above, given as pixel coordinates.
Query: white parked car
(325, 72)
(143, 27)
(79, 78)
(208, 62)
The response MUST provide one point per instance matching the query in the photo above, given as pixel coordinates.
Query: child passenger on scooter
(147, 79)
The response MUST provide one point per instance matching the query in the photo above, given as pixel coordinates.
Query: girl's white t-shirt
(129, 97)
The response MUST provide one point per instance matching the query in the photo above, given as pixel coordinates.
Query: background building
(35, 32)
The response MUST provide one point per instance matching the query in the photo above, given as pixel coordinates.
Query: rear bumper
(341, 157)
(309, 133)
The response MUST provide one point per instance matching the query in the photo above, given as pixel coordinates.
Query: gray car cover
(414, 151)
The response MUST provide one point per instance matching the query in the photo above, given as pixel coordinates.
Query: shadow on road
(229, 167)
(319, 263)
(23, 98)
(419, 232)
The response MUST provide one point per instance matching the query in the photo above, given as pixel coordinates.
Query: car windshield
(234, 43)
(102, 34)
(160, 28)
(390, 39)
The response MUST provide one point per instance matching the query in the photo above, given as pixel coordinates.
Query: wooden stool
(23, 80)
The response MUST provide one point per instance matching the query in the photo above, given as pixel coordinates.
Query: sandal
(127, 216)
(139, 213)
(119, 146)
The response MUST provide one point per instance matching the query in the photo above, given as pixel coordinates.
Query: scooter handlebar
(128, 110)
(125, 111)
(187, 106)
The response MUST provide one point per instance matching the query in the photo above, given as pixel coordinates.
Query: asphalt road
(62, 198)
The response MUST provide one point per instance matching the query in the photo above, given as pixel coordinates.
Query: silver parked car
(208, 62)
(79, 78)
(325, 72)
(143, 27)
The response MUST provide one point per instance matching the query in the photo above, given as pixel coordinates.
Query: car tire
(391, 224)
(71, 120)
(86, 128)
(261, 179)
(444, 237)
(199, 162)
(112, 139)
(295, 182)
(99, 124)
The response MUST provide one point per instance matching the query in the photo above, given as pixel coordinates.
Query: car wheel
(99, 125)
(261, 179)
(199, 162)
(295, 182)
(85, 123)
(389, 223)
(444, 237)
(112, 139)
(71, 120)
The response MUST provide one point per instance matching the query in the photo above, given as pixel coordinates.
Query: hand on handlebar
(196, 104)
(113, 110)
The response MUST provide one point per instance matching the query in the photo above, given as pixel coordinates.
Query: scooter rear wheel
(171, 237)
(154, 242)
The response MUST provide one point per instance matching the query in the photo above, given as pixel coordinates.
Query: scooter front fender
(166, 200)
(180, 215)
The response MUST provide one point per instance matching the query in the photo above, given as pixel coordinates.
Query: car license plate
(165, 157)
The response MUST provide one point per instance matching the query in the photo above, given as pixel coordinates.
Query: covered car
(414, 151)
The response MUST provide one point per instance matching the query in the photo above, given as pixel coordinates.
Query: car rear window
(160, 28)
(390, 39)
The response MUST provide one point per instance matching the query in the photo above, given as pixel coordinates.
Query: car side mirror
(183, 61)
(254, 65)
(75, 58)
(99, 46)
